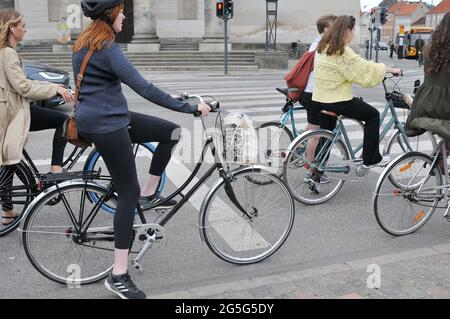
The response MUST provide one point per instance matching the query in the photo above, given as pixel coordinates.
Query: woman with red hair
(104, 119)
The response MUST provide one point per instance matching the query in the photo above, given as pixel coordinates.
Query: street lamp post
(271, 24)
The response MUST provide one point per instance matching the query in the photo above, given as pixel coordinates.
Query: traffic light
(383, 16)
(228, 5)
(220, 10)
(372, 15)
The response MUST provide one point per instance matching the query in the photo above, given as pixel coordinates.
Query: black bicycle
(242, 222)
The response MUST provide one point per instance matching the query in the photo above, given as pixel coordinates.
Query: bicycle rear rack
(61, 177)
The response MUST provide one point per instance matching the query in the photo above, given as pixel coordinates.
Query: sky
(367, 4)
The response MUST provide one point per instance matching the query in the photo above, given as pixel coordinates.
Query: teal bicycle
(276, 136)
(314, 177)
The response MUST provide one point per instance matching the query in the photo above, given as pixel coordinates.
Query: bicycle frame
(340, 129)
(289, 116)
(184, 198)
(75, 156)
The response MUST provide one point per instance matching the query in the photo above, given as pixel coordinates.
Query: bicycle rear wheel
(405, 206)
(18, 194)
(293, 53)
(315, 167)
(243, 222)
(54, 243)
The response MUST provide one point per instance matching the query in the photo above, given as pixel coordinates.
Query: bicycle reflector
(419, 216)
(405, 167)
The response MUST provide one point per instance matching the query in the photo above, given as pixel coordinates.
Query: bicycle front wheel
(397, 146)
(71, 242)
(243, 222)
(402, 208)
(274, 140)
(424, 143)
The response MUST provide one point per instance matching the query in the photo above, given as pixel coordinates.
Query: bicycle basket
(236, 139)
(402, 96)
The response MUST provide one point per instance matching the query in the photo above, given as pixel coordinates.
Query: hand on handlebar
(66, 94)
(394, 71)
(204, 109)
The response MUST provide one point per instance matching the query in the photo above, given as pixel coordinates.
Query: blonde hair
(8, 18)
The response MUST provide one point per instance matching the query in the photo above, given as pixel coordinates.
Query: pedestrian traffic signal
(228, 6)
(219, 10)
(383, 16)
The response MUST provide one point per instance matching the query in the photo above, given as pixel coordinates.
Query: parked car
(383, 46)
(43, 72)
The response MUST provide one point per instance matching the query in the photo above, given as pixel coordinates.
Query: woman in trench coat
(16, 91)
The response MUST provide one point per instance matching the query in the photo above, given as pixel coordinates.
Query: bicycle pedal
(138, 266)
(313, 187)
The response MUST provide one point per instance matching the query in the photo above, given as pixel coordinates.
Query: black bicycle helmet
(94, 8)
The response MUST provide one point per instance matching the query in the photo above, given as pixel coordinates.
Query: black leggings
(116, 150)
(41, 119)
(361, 111)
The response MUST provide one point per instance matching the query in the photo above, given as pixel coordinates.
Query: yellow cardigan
(334, 75)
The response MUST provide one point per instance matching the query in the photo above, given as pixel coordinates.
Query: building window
(6, 4)
(187, 9)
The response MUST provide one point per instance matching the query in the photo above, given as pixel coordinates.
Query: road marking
(232, 233)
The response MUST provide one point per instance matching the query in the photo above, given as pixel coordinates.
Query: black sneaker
(154, 200)
(124, 287)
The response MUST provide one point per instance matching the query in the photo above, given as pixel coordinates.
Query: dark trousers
(361, 111)
(41, 119)
(44, 119)
(117, 152)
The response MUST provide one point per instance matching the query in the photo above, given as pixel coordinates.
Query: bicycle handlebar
(214, 105)
(393, 75)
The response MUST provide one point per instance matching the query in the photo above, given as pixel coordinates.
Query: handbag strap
(81, 74)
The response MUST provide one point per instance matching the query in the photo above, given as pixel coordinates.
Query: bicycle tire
(23, 174)
(396, 146)
(56, 234)
(401, 202)
(267, 142)
(231, 235)
(293, 53)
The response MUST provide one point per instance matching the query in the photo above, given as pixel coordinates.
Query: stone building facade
(150, 21)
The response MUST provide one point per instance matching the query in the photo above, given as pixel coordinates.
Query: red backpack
(298, 76)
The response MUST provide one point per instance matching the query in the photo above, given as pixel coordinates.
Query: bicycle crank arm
(148, 234)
